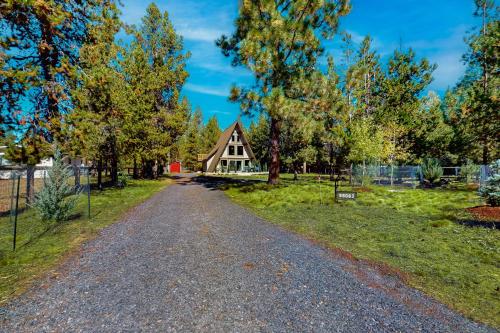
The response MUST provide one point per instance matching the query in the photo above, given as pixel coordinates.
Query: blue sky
(433, 28)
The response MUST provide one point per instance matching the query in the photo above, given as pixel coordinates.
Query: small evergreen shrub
(491, 190)
(55, 200)
(431, 170)
(468, 171)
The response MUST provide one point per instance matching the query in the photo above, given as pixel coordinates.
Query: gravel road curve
(189, 260)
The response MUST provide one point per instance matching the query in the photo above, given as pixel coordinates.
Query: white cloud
(207, 90)
(201, 34)
(450, 69)
(218, 112)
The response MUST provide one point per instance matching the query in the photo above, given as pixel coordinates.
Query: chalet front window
(247, 163)
(231, 150)
(223, 163)
(240, 150)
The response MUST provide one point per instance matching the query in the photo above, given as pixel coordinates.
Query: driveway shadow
(213, 182)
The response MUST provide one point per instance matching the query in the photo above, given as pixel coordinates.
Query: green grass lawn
(413, 230)
(40, 246)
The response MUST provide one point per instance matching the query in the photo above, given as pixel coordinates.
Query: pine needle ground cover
(415, 231)
(40, 246)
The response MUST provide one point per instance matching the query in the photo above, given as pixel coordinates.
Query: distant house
(232, 153)
(46, 163)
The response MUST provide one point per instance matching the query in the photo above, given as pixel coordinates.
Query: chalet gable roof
(221, 144)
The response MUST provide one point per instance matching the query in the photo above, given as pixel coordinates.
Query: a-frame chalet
(232, 153)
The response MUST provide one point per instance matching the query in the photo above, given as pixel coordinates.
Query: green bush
(468, 171)
(55, 200)
(431, 170)
(122, 179)
(491, 190)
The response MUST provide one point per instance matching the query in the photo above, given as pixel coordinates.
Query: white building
(40, 168)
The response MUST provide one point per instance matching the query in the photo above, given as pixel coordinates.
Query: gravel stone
(190, 260)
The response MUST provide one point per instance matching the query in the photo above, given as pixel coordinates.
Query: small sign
(346, 195)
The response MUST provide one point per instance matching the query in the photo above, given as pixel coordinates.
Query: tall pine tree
(280, 43)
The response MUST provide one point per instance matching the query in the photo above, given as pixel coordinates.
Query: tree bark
(486, 152)
(76, 172)
(114, 170)
(99, 174)
(136, 170)
(30, 184)
(274, 164)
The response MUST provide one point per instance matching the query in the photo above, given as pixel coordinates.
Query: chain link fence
(412, 176)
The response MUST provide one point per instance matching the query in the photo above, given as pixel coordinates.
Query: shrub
(122, 179)
(431, 170)
(468, 171)
(54, 201)
(491, 189)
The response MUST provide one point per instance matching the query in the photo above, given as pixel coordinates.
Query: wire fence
(31, 180)
(411, 175)
(19, 187)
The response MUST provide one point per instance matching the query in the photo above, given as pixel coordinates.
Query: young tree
(258, 136)
(191, 145)
(296, 143)
(365, 78)
(210, 134)
(366, 143)
(54, 201)
(400, 93)
(479, 87)
(279, 41)
(431, 135)
(154, 68)
(99, 96)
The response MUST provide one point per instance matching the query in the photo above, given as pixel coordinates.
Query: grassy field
(40, 246)
(416, 231)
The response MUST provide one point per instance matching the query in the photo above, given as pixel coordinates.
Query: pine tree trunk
(99, 174)
(274, 165)
(114, 170)
(486, 152)
(30, 184)
(136, 170)
(76, 172)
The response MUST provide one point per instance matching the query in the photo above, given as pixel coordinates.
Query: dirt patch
(362, 189)
(249, 266)
(486, 213)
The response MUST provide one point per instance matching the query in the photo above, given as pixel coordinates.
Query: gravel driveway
(190, 260)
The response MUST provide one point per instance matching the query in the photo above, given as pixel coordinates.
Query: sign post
(342, 195)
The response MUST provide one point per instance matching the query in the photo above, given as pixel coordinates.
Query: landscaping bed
(415, 231)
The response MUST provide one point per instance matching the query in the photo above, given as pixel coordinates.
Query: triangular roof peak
(221, 144)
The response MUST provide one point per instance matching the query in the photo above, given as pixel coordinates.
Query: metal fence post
(11, 212)
(15, 218)
(88, 193)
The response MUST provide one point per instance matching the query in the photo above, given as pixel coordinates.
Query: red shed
(175, 167)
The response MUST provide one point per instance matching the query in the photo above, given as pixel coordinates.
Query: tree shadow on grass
(51, 227)
(476, 223)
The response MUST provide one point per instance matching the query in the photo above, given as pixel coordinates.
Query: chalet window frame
(240, 149)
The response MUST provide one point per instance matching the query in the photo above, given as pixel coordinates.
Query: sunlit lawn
(414, 230)
(40, 246)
